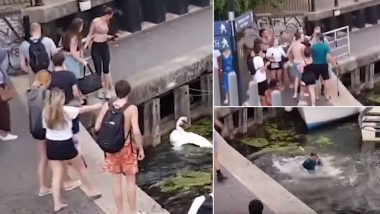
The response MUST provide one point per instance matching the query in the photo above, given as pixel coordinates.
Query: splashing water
(293, 168)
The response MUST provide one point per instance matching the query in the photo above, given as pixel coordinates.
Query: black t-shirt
(64, 80)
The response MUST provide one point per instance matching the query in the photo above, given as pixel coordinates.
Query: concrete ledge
(321, 14)
(371, 55)
(163, 78)
(271, 193)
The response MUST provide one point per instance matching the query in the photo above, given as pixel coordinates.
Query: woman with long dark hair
(73, 48)
(100, 53)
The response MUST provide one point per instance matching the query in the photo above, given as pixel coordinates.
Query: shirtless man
(296, 50)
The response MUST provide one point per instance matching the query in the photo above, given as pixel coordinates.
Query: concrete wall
(271, 193)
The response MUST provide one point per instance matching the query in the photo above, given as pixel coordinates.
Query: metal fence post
(276, 98)
(253, 94)
(336, 3)
(216, 89)
(312, 2)
(233, 94)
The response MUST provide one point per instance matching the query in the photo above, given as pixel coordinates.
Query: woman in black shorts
(57, 120)
(308, 74)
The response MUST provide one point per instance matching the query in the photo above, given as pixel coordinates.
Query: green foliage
(241, 6)
(256, 142)
(202, 127)
(187, 180)
(324, 141)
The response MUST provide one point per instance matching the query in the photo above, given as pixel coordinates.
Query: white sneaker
(295, 96)
(8, 137)
(100, 94)
(225, 102)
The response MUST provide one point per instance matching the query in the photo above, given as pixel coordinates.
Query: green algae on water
(290, 149)
(202, 127)
(186, 180)
(256, 142)
(323, 141)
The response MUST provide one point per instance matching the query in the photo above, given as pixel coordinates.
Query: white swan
(180, 137)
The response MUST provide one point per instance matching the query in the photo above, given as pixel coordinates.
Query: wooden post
(258, 116)
(355, 81)
(233, 93)
(243, 117)
(152, 121)
(370, 76)
(206, 89)
(182, 103)
(217, 97)
(229, 122)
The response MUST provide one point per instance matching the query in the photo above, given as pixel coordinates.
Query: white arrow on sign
(223, 28)
(225, 43)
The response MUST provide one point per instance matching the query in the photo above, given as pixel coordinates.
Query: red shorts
(124, 162)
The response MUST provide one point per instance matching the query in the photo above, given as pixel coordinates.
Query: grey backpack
(35, 99)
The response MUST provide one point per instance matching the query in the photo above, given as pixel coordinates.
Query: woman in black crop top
(308, 74)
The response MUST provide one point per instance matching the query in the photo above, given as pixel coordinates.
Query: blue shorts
(295, 71)
(76, 126)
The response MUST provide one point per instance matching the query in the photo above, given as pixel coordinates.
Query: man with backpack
(119, 136)
(35, 54)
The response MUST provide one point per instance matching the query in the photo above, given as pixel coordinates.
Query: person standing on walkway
(38, 93)
(100, 52)
(266, 39)
(72, 47)
(60, 149)
(275, 54)
(5, 115)
(73, 50)
(260, 74)
(125, 161)
(35, 54)
(227, 68)
(308, 74)
(296, 50)
(320, 53)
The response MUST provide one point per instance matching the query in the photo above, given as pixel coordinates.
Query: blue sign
(222, 42)
(244, 21)
(222, 28)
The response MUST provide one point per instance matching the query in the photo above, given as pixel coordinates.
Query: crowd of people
(55, 101)
(303, 59)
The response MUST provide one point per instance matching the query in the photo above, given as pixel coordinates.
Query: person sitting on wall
(310, 163)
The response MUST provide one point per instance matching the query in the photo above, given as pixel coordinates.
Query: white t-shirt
(260, 75)
(66, 133)
(276, 52)
(216, 55)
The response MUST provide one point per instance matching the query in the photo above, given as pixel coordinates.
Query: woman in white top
(57, 120)
(274, 55)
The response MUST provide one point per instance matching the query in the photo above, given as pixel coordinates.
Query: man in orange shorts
(125, 161)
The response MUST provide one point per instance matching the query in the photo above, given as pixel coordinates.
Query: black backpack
(251, 66)
(206, 207)
(111, 136)
(35, 99)
(38, 56)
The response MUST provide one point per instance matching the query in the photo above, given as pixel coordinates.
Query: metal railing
(13, 2)
(339, 41)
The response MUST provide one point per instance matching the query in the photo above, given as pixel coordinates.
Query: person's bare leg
(78, 165)
(117, 193)
(42, 167)
(312, 94)
(216, 162)
(279, 77)
(131, 193)
(218, 167)
(296, 84)
(57, 169)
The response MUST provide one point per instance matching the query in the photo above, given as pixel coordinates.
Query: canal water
(370, 97)
(347, 182)
(174, 178)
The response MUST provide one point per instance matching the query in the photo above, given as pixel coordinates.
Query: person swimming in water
(310, 163)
